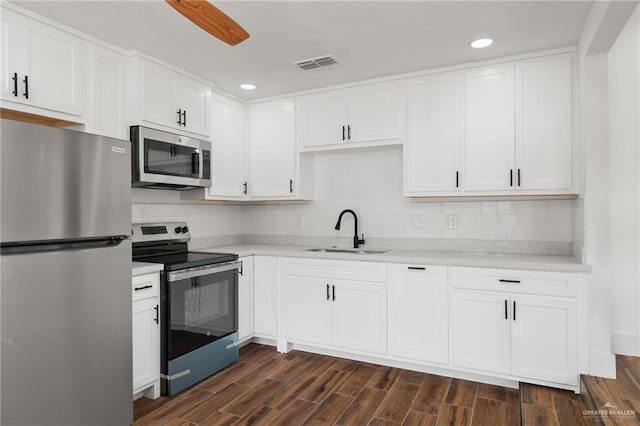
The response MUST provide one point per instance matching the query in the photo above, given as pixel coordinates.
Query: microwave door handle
(195, 164)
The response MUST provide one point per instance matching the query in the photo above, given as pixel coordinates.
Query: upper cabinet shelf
(173, 100)
(360, 116)
(504, 130)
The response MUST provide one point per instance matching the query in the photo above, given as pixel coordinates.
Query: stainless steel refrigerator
(65, 286)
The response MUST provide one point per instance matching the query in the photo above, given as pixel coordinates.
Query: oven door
(163, 159)
(202, 307)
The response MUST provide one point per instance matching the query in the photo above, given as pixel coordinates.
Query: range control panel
(169, 231)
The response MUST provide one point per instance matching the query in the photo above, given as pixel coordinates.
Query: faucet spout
(356, 240)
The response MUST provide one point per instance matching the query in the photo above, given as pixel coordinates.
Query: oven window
(170, 159)
(202, 310)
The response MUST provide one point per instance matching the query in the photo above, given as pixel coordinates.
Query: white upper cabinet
(41, 65)
(433, 150)
(489, 149)
(368, 113)
(272, 149)
(173, 100)
(544, 142)
(107, 93)
(227, 138)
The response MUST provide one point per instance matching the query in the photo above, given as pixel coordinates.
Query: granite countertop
(426, 257)
(141, 268)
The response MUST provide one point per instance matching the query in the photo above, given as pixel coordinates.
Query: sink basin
(352, 251)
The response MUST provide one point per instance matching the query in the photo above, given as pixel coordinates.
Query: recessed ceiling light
(247, 86)
(481, 42)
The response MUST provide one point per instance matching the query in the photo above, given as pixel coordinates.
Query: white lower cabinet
(323, 309)
(513, 332)
(146, 335)
(265, 288)
(418, 313)
(245, 299)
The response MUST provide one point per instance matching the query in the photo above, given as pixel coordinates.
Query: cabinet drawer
(512, 281)
(145, 286)
(335, 269)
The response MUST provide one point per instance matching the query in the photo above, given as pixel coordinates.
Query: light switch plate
(453, 221)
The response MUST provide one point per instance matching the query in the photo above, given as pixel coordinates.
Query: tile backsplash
(370, 183)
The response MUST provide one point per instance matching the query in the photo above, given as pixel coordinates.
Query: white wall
(370, 183)
(624, 187)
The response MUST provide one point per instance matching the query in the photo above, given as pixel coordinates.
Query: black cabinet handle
(241, 271)
(157, 310)
(457, 179)
(290, 186)
(514, 310)
(142, 288)
(26, 86)
(506, 309)
(416, 268)
(15, 84)
(510, 281)
(328, 296)
(184, 118)
(349, 132)
(245, 188)
(518, 177)
(180, 117)
(343, 135)
(511, 177)
(333, 288)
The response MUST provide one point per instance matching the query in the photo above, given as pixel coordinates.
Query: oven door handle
(184, 274)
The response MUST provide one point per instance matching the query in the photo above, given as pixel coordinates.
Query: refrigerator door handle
(61, 245)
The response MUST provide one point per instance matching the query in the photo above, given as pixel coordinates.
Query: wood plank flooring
(269, 388)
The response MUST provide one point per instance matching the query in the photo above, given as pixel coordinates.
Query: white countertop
(142, 268)
(423, 257)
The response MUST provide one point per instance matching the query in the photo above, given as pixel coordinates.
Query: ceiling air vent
(320, 61)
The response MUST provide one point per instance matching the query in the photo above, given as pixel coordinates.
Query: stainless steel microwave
(164, 160)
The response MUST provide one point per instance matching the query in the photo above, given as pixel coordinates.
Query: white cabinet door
(544, 338)
(373, 112)
(489, 147)
(418, 314)
(480, 331)
(245, 299)
(146, 346)
(322, 118)
(359, 316)
(272, 149)
(432, 153)
(307, 310)
(157, 95)
(108, 95)
(10, 79)
(227, 138)
(51, 60)
(544, 145)
(265, 290)
(192, 98)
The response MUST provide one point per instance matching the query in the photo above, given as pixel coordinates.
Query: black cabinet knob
(178, 230)
(185, 229)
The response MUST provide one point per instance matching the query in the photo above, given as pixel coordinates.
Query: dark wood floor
(266, 387)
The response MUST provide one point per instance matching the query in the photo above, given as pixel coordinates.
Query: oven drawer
(145, 286)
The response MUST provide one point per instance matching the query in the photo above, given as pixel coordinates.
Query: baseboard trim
(602, 364)
(625, 343)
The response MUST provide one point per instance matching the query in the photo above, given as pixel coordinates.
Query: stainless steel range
(199, 304)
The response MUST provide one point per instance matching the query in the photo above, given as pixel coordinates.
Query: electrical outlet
(299, 221)
(416, 221)
(453, 221)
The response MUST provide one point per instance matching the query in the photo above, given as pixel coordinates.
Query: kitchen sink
(353, 251)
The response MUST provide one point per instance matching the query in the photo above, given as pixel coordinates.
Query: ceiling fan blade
(211, 19)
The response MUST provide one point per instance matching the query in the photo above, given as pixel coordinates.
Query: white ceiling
(371, 39)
